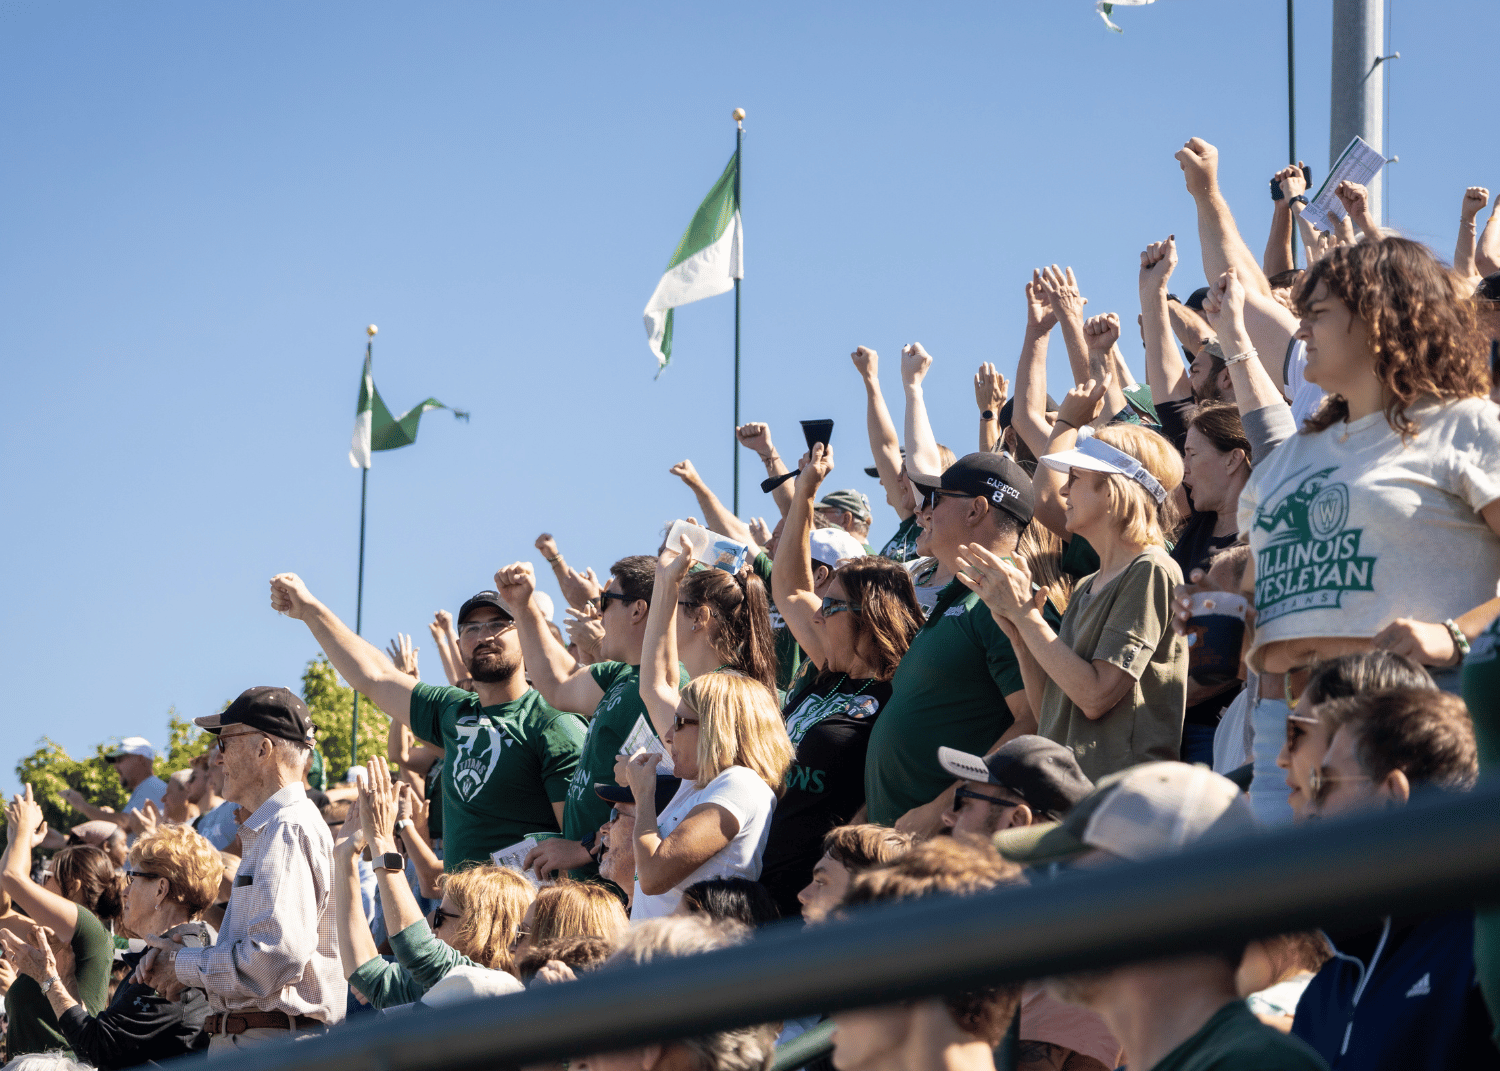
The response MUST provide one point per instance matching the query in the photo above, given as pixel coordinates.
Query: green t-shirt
(1079, 558)
(1127, 623)
(949, 690)
(503, 766)
(1233, 1039)
(902, 547)
(1481, 691)
(33, 1027)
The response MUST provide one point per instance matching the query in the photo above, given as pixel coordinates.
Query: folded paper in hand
(1360, 164)
(511, 858)
(641, 738)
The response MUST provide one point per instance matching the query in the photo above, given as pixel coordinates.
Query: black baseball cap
(666, 788)
(273, 711)
(1489, 287)
(872, 471)
(1042, 772)
(1195, 299)
(484, 598)
(986, 475)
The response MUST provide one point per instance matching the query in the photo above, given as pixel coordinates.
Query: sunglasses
(679, 722)
(1294, 683)
(439, 916)
(930, 496)
(833, 606)
(1295, 729)
(602, 601)
(960, 794)
(1318, 782)
(219, 744)
(486, 628)
(141, 874)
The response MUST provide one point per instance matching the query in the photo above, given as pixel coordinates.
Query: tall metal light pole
(1358, 83)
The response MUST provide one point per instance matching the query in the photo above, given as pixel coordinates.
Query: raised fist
(289, 595)
(1200, 166)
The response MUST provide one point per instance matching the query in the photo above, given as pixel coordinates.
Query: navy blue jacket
(1402, 996)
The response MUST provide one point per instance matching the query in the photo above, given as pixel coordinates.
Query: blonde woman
(571, 909)
(730, 748)
(476, 924)
(1111, 682)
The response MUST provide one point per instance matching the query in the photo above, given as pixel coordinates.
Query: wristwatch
(46, 986)
(389, 861)
(1299, 197)
(404, 822)
(988, 414)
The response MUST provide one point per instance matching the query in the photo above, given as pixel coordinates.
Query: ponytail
(742, 617)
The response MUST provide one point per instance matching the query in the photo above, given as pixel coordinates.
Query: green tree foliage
(331, 704)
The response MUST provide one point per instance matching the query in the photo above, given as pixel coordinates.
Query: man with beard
(507, 755)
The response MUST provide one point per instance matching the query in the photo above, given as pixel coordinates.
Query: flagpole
(359, 599)
(739, 140)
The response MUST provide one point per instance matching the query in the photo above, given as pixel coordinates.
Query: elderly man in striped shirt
(274, 971)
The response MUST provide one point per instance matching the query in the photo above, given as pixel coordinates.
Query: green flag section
(708, 260)
(1106, 8)
(376, 429)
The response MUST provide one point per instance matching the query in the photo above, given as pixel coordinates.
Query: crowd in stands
(1258, 589)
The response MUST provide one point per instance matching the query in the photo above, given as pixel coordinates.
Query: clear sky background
(203, 205)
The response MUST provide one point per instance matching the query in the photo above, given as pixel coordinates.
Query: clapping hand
(1060, 288)
(377, 808)
(1040, 318)
(24, 813)
(351, 838)
(32, 958)
(990, 388)
(1003, 584)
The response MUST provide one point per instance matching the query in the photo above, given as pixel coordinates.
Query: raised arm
(578, 588)
(549, 667)
(26, 828)
(1280, 254)
(1225, 308)
(792, 574)
(1081, 406)
(990, 390)
(1356, 201)
(659, 666)
(1271, 325)
(356, 946)
(1475, 198)
(757, 437)
(662, 862)
(357, 660)
(921, 445)
(418, 845)
(1029, 414)
(441, 623)
(885, 447)
(1487, 257)
(1165, 375)
(1061, 289)
(715, 516)
(377, 817)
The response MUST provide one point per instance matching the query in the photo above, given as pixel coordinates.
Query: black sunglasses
(439, 916)
(960, 794)
(141, 874)
(930, 495)
(603, 600)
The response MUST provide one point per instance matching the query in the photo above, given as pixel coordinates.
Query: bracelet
(1065, 423)
(1240, 358)
(1460, 641)
(554, 561)
(766, 459)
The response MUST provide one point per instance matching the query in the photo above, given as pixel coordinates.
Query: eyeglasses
(1295, 730)
(486, 628)
(602, 602)
(1318, 782)
(439, 916)
(141, 874)
(960, 794)
(833, 606)
(1293, 684)
(930, 495)
(679, 721)
(219, 744)
(614, 814)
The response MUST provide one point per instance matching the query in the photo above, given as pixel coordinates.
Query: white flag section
(1360, 164)
(364, 416)
(1106, 8)
(708, 259)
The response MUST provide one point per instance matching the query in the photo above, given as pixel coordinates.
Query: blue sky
(203, 205)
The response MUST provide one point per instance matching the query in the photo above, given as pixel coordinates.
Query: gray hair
(56, 1060)
(748, 1048)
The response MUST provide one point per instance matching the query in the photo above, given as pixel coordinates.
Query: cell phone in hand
(817, 431)
(1276, 194)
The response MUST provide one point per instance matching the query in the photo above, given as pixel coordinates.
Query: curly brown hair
(1423, 329)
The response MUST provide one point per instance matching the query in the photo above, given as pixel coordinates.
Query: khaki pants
(219, 1044)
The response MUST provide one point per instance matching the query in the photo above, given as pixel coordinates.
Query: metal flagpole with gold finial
(359, 598)
(739, 141)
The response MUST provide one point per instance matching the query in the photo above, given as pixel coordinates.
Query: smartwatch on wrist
(389, 861)
(988, 414)
(1300, 198)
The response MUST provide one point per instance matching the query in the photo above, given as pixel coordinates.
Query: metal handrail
(1427, 857)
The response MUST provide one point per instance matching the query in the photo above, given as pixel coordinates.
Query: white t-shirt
(152, 788)
(742, 793)
(1352, 528)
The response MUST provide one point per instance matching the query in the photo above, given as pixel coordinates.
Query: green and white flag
(1106, 8)
(376, 429)
(708, 260)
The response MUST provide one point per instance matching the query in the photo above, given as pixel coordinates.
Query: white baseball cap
(132, 745)
(829, 546)
(1094, 455)
(470, 982)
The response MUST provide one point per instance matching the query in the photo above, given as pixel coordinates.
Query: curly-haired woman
(1377, 527)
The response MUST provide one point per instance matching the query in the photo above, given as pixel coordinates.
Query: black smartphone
(1276, 191)
(817, 431)
(1494, 362)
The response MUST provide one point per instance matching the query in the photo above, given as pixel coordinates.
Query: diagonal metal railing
(1427, 857)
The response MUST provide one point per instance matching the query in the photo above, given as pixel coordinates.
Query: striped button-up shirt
(276, 950)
